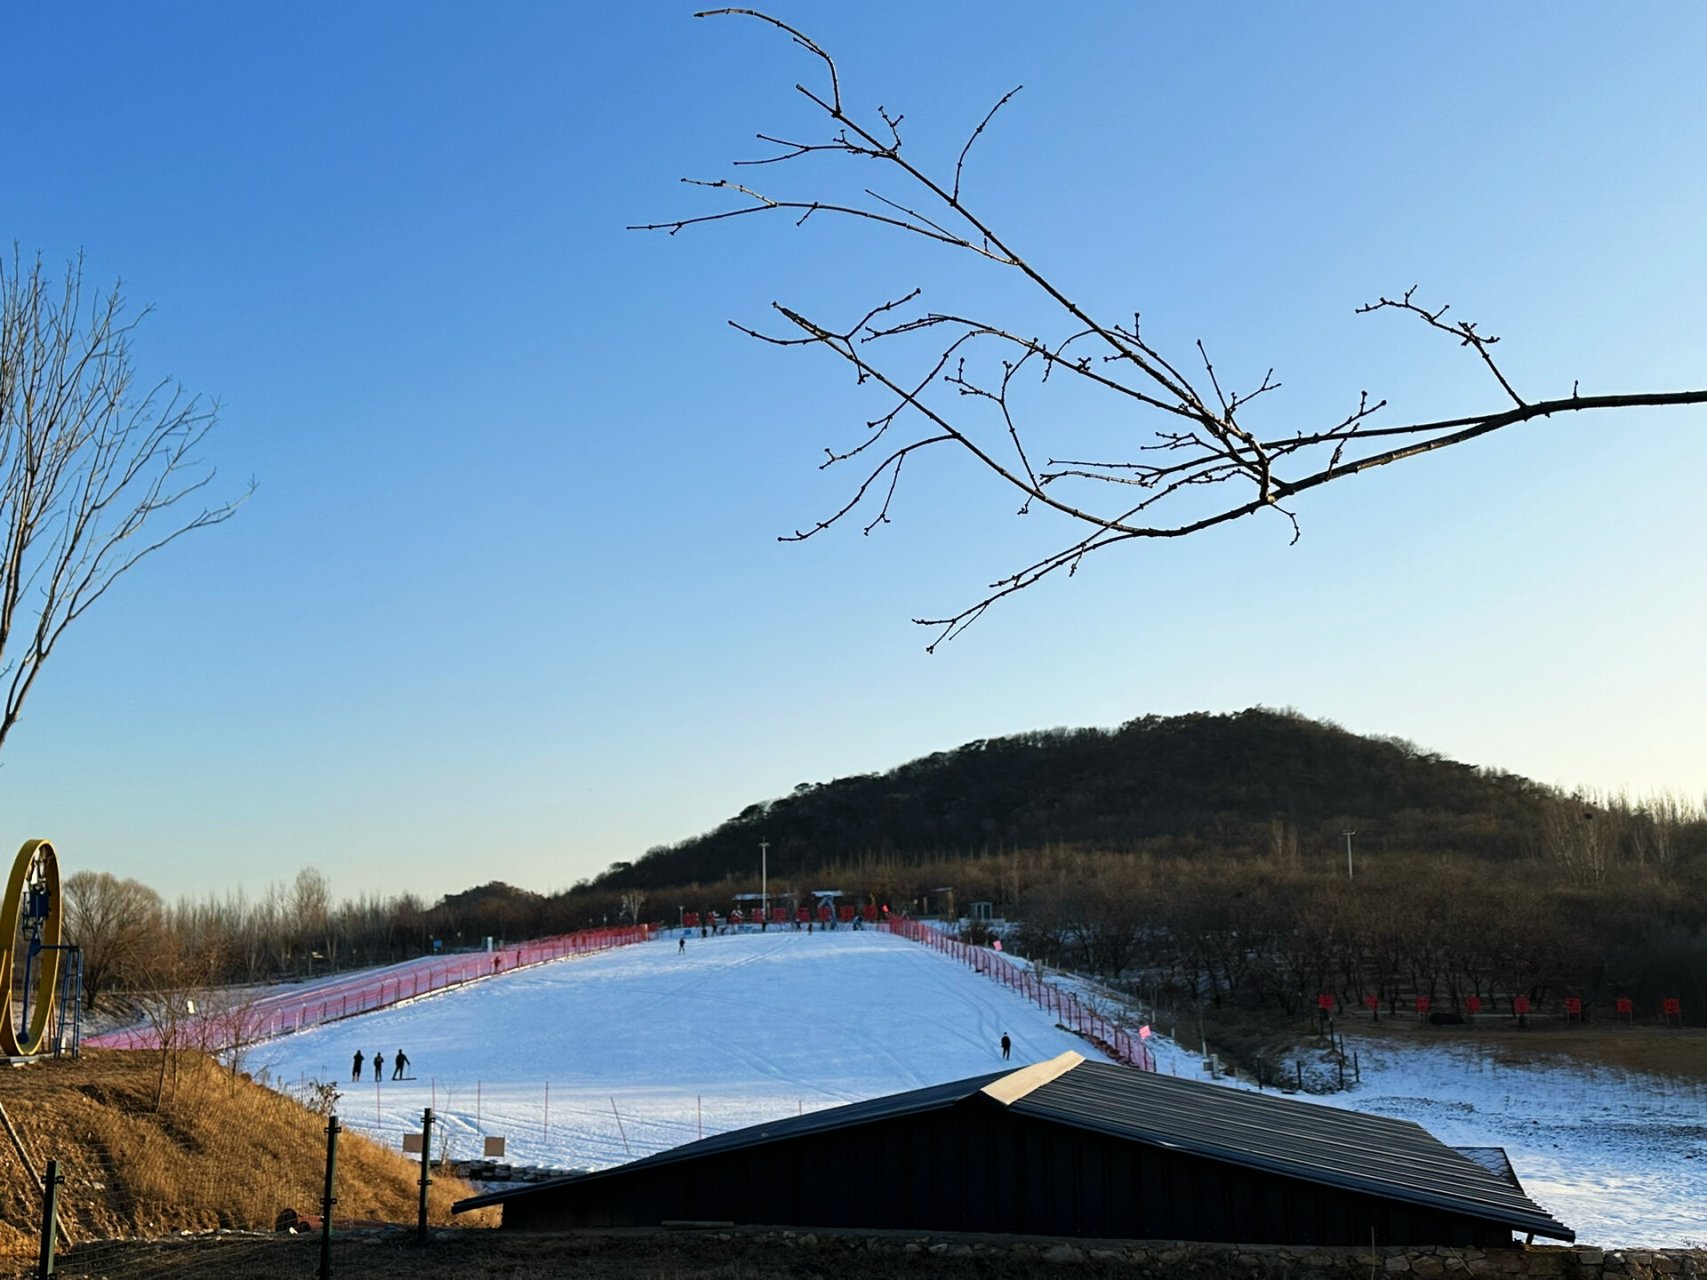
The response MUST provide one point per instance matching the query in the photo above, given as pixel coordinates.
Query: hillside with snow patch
(589, 1062)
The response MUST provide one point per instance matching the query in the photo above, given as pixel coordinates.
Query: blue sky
(508, 602)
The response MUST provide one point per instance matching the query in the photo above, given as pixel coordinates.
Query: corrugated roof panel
(1360, 1152)
(912, 1102)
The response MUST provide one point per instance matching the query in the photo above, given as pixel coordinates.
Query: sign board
(1626, 1005)
(492, 1148)
(1324, 1001)
(1671, 1005)
(1573, 1005)
(1370, 1002)
(1520, 1004)
(412, 1144)
(1422, 1004)
(1473, 1004)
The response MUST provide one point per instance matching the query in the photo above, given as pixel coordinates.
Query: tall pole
(49, 1220)
(327, 1199)
(764, 885)
(1348, 834)
(426, 1171)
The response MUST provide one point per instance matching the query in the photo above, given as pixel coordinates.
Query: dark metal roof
(1395, 1159)
(932, 1098)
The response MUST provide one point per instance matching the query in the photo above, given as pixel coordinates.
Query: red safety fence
(282, 1012)
(1069, 1010)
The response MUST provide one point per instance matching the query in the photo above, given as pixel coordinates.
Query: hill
(1239, 780)
(219, 1152)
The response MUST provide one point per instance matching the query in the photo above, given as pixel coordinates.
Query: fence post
(49, 1219)
(327, 1199)
(426, 1172)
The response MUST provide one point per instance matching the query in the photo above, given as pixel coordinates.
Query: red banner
(1573, 1005)
(1626, 1005)
(1473, 1004)
(1324, 1002)
(1671, 1005)
(1520, 1004)
(1422, 1004)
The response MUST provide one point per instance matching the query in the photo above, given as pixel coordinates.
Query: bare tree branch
(956, 380)
(94, 477)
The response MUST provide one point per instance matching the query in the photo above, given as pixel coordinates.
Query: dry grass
(220, 1152)
(1678, 1053)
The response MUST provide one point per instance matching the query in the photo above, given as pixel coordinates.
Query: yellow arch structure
(46, 979)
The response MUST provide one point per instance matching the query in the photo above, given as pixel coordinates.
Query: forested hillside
(1246, 780)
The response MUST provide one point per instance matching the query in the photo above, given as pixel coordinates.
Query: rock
(1063, 1253)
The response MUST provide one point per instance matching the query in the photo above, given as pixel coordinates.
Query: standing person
(681, 944)
(356, 1070)
(1007, 1046)
(378, 1067)
(402, 1061)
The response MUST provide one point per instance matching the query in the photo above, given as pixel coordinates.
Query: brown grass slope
(220, 1151)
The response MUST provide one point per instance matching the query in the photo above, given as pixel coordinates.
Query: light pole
(1348, 834)
(764, 886)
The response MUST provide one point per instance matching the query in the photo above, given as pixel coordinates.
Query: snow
(591, 1061)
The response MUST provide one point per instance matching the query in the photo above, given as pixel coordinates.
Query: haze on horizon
(508, 603)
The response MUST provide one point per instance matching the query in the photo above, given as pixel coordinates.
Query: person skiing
(1007, 1046)
(356, 1070)
(378, 1067)
(402, 1061)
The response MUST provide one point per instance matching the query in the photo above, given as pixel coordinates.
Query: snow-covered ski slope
(589, 1062)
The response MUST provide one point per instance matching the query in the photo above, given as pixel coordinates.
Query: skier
(356, 1070)
(378, 1067)
(1007, 1046)
(681, 944)
(402, 1061)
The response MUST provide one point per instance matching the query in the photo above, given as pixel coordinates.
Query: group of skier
(401, 1063)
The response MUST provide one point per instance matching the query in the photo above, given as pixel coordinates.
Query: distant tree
(960, 379)
(97, 472)
(311, 914)
(115, 923)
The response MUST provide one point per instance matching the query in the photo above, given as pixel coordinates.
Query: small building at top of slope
(1063, 1148)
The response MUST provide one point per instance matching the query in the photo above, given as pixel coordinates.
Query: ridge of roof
(1016, 1084)
(1353, 1150)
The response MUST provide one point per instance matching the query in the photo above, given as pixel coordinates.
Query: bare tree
(116, 923)
(171, 990)
(311, 915)
(96, 471)
(954, 380)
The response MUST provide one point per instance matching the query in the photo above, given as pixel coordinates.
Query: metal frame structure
(31, 917)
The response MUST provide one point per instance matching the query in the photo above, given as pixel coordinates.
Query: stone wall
(1185, 1261)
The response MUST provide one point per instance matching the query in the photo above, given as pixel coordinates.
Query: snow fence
(1070, 1012)
(222, 1021)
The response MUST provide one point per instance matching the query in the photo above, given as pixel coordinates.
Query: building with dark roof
(1063, 1148)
